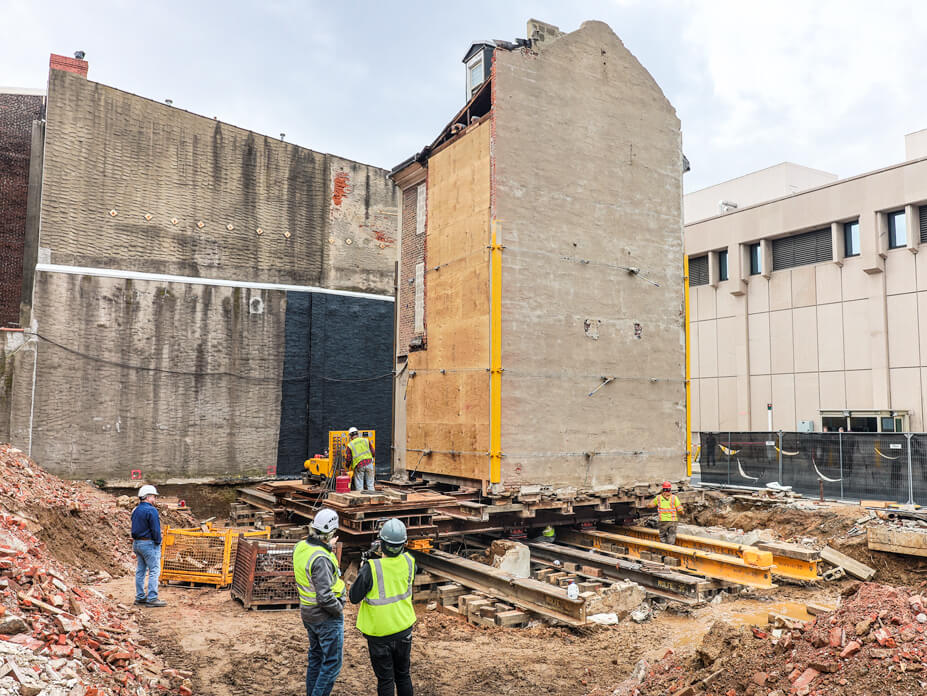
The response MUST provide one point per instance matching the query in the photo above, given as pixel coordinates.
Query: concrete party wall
(584, 128)
(207, 404)
(107, 150)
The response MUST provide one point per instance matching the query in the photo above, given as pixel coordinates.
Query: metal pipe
(840, 445)
(780, 459)
(910, 472)
(685, 285)
(495, 356)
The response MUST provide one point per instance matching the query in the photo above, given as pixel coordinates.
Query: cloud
(829, 84)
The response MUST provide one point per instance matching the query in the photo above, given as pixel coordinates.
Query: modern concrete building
(773, 182)
(540, 304)
(201, 301)
(809, 310)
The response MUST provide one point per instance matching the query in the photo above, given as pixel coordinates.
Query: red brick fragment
(808, 676)
(851, 649)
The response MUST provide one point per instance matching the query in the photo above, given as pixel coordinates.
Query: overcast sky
(829, 84)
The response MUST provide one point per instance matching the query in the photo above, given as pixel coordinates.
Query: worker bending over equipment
(321, 601)
(360, 458)
(383, 589)
(668, 508)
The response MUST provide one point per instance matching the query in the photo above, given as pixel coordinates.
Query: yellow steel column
(495, 355)
(685, 285)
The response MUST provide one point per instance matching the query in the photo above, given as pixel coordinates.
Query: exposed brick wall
(71, 65)
(413, 252)
(17, 112)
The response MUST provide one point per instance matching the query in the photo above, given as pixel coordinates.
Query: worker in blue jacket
(146, 542)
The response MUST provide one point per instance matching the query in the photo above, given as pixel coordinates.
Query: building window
(897, 230)
(698, 271)
(756, 263)
(922, 218)
(420, 210)
(802, 249)
(419, 314)
(851, 238)
(722, 265)
(475, 75)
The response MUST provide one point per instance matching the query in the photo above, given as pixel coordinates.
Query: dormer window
(476, 74)
(479, 64)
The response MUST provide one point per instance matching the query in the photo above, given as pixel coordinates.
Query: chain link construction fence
(851, 466)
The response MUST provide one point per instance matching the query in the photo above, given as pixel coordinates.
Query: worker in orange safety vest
(668, 510)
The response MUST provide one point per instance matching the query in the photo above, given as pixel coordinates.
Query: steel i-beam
(525, 593)
(784, 566)
(755, 570)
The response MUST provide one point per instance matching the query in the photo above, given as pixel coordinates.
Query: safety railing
(852, 466)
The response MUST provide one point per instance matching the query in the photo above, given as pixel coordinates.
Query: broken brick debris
(872, 642)
(57, 635)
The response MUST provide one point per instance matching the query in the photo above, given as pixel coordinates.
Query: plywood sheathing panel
(450, 412)
(588, 174)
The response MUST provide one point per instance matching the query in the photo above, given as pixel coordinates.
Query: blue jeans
(364, 475)
(149, 563)
(326, 640)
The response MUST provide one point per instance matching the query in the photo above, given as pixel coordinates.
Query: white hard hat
(147, 490)
(325, 521)
(352, 430)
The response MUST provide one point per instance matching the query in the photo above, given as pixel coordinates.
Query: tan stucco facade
(845, 334)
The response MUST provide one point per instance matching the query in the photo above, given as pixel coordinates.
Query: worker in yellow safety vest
(383, 589)
(321, 601)
(360, 460)
(668, 510)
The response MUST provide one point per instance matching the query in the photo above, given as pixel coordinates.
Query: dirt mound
(873, 644)
(82, 525)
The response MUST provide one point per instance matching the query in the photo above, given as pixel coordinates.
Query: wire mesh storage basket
(203, 554)
(264, 574)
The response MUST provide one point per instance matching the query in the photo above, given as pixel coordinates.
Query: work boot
(157, 603)
(141, 602)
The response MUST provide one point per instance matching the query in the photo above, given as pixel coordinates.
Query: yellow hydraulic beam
(685, 286)
(783, 566)
(495, 355)
(753, 572)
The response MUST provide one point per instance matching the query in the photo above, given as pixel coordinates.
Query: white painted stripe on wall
(138, 275)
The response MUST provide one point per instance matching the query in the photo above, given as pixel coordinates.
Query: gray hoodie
(323, 575)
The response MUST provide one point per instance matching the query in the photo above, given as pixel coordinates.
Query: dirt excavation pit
(861, 638)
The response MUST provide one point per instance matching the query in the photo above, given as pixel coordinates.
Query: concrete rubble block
(511, 557)
(620, 598)
(12, 625)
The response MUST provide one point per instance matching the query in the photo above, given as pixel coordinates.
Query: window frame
(723, 265)
(755, 253)
(847, 237)
(891, 218)
(477, 60)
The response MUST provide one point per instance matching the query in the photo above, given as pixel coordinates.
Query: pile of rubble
(57, 636)
(873, 643)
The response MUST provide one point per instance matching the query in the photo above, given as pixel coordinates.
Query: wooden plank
(858, 570)
(908, 542)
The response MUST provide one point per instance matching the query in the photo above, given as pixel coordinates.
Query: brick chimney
(72, 65)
